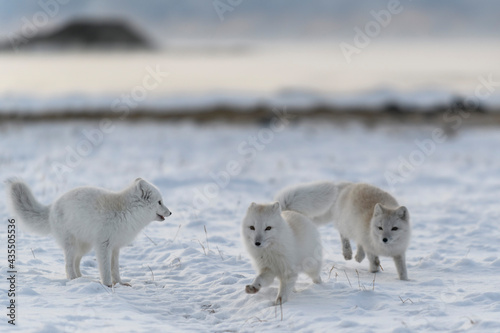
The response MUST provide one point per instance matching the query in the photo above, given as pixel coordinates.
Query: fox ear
(142, 189)
(276, 206)
(252, 205)
(403, 214)
(378, 210)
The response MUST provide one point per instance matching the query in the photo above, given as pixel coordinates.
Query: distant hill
(264, 19)
(83, 34)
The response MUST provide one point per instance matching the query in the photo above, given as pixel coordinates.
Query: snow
(185, 279)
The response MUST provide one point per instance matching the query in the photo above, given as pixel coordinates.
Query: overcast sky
(262, 19)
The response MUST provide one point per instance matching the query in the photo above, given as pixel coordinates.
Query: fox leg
(314, 273)
(374, 262)
(346, 247)
(400, 262)
(264, 279)
(115, 268)
(70, 256)
(103, 253)
(360, 255)
(78, 259)
(286, 285)
(82, 249)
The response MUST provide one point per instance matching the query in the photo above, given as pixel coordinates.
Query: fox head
(151, 198)
(261, 225)
(390, 227)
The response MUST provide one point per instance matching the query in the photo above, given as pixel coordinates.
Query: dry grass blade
(359, 282)
(281, 308)
(172, 263)
(203, 247)
(177, 233)
(149, 238)
(206, 237)
(347, 278)
(330, 273)
(33, 253)
(153, 274)
(406, 300)
(105, 288)
(220, 253)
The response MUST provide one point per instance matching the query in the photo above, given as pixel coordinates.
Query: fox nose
(385, 240)
(169, 213)
(257, 243)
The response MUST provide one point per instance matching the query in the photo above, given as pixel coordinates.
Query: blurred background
(221, 103)
(63, 57)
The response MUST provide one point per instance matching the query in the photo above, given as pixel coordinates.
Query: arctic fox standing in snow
(281, 245)
(90, 217)
(361, 212)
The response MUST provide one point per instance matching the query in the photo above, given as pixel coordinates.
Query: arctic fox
(90, 217)
(361, 212)
(281, 244)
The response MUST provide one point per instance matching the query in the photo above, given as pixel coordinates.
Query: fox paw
(122, 283)
(249, 289)
(359, 257)
(347, 255)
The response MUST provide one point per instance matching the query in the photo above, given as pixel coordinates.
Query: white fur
(357, 211)
(281, 244)
(90, 217)
(314, 200)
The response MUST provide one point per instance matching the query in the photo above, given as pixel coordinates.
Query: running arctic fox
(90, 217)
(281, 244)
(361, 212)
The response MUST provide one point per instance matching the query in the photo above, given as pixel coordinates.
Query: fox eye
(394, 228)
(268, 228)
(380, 228)
(159, 202)
(252, 227)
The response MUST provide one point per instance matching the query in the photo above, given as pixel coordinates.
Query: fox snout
(161, 216)
(258, 241)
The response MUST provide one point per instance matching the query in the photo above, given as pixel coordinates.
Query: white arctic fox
(361, 212)
(90, 217)
(281, 244)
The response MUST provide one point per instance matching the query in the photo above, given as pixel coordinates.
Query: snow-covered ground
(187, 279)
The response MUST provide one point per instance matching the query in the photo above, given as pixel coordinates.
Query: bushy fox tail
(33, 215)
(314, 200)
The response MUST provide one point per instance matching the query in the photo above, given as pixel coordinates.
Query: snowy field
(189, 272)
